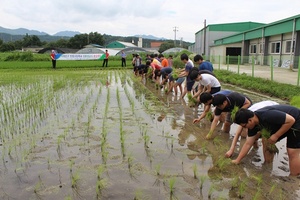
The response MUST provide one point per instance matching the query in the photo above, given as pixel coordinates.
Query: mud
(109, 135)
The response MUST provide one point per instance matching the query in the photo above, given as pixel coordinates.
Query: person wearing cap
(53, 58)
(227, 104)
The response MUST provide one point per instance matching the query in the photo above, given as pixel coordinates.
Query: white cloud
(128, 17)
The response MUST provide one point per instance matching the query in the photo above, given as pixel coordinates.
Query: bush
(260, 85)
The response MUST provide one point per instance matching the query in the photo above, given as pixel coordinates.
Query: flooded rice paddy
(110, 135)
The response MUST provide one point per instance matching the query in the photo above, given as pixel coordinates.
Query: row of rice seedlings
(130, 98)
(102, 182)
(104, 143)
(122, 132)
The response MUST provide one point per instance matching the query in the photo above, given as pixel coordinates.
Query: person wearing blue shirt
(203, 65)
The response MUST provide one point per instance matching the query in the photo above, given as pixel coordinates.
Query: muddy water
(106, 135)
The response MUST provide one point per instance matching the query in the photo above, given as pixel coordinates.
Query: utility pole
(175, 29)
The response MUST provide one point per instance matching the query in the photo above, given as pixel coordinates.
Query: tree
(61, 43)
(80, 40)
(8, 46)
(95, 38)
(32, 40)
(165, 46)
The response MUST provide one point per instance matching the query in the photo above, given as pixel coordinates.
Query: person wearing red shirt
(105, 61)
(52, 55)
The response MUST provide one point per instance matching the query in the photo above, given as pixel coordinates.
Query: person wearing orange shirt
(164, 62)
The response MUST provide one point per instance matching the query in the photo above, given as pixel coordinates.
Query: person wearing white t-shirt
(207, 83)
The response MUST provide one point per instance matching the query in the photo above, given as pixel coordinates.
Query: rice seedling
(130, 161)
(157, 169)
(272, 148)
(172, 182)
(273, 187)
(100, 186)
(209, 116)
(138, 195)
(74, 179)
(202, 179)
(195, 170)
(258, 179)
(203, 147)
(100, 171)
(233, 112)
(217, 141)
(211, 190)
(146, 140)
(223, 163)
(191, 101)
(242, 189)
(235, 182)
(257, 195)
(68, 197)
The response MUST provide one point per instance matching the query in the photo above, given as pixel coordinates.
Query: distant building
(155, 44)
(205, 37)
(279, 40)
(119, 45)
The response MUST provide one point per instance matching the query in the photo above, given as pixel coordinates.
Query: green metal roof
(233, 27)
(274, 28)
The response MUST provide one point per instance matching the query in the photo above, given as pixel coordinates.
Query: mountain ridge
(24, 31)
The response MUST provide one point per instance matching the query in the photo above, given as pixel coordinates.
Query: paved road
(282, 75)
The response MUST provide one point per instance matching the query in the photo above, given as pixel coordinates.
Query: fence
(283, 73)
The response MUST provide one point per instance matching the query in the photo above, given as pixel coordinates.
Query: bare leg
(226, 127)
(294, 161)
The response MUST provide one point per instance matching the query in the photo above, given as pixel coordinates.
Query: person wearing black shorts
(282, 121)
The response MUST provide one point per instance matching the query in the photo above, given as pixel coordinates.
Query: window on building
(275, 47)
(253, 48)
(288, 46)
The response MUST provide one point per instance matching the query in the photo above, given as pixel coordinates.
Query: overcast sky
(136, 17)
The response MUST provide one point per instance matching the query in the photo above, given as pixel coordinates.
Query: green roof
(274, 28)
(233, 27)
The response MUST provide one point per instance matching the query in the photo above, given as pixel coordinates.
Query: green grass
(27, 60)
(260, 85)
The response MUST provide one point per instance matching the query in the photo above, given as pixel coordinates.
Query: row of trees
(76, 42)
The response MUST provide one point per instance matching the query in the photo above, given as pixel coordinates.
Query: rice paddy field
(107, 134)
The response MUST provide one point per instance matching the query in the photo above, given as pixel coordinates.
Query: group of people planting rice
(267, 119)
